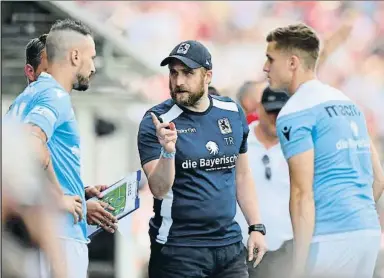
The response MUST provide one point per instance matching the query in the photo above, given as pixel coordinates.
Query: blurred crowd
(235, 33)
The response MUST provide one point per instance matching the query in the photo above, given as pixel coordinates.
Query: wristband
(166, 154)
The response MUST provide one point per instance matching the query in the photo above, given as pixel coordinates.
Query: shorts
(197, 262)
(75, 256)
(348, 257)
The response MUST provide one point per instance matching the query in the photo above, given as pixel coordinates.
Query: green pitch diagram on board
(117, 199)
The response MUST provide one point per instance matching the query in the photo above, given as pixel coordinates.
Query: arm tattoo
(37, 135)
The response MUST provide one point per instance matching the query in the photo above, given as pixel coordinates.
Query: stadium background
(132, 38)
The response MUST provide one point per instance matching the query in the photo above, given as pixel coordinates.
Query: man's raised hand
(167, 137)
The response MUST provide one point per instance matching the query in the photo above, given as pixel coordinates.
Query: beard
(82, 83)
(184, 97)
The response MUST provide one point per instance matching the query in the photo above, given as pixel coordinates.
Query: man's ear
(294, 62)
(75, 57)
(208, 77)
(29, 72)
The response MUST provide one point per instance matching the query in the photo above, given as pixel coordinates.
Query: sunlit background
(131, 40)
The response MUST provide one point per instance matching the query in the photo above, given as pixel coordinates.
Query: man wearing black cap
(193, 149)
(270, 171)
(213, 91)
(273, 101)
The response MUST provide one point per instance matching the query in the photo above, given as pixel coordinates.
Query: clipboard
(123, 195)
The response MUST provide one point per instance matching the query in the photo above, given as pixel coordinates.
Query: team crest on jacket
(225, 126)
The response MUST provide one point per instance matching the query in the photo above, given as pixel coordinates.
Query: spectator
(270, 172)
(213, 91)
(248, 96)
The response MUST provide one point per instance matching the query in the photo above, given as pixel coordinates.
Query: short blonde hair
(300, 39)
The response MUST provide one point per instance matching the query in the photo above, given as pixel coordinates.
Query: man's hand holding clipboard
(108, 204)
(95, 191)
(98, 212)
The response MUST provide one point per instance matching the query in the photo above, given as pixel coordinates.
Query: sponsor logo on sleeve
(287, 132)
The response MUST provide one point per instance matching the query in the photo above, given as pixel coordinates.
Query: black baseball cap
(192, 54)
(273, 101)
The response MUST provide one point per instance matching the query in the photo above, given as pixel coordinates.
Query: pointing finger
(155, 120)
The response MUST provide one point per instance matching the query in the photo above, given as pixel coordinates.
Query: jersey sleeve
(147, 141)
(49, 111)
(244, 144)
(295, 132)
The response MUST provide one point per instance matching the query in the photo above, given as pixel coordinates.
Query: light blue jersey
(46, 104)
(322, 118)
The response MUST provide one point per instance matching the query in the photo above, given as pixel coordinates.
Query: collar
(252, 139)
(46, 76)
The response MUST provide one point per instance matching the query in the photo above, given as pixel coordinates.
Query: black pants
(197, 262)
(275, 264)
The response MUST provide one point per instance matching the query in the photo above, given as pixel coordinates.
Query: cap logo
(183, 48)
